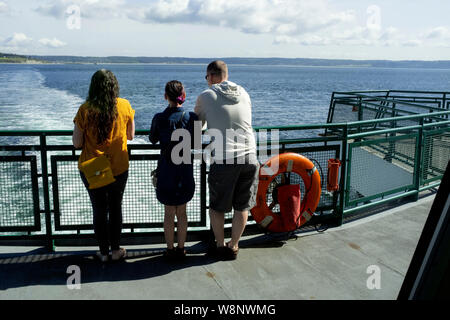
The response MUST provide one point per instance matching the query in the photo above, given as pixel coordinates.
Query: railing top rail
(36, 133)
(301, 127)
(416, 116)
(417, 99)
(147, 132)
(396, 91)
(362, 91)
(421, 92)
(401, 104)
(283, 128)
(384, 99)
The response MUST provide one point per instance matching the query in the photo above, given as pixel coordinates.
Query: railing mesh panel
(436, 155)
(74, 205)
(18, 203)
(140, 207)
(379, 167)
(345, 112)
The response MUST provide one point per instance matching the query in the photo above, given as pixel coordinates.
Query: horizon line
(209, 58)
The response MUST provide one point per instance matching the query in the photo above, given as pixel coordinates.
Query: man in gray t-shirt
(234, 170)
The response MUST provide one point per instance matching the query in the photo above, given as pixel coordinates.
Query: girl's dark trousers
(108, 199)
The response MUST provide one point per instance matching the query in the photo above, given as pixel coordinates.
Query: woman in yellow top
(103, 125)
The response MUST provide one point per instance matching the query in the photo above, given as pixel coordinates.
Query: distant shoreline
(272, 62)
(186, 64)
(230, 64)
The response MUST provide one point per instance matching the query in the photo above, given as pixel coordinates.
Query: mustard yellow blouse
(115, 147)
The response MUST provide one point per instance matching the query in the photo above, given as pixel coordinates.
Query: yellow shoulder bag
(98, 172)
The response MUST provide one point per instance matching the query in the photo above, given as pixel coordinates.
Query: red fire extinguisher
(333, 174)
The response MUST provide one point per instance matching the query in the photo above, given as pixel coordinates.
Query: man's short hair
(219, 68)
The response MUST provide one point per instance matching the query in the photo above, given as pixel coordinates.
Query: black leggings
(104, 200)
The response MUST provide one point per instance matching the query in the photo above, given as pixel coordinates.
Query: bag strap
(178, 126)
(180, 121)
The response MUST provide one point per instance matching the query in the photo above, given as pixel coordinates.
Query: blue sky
(335, 29)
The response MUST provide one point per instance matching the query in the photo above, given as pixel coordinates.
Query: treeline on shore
(15, 58)
(442, 64)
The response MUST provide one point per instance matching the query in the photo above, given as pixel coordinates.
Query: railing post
(342, 183)
(203, 181)
(419, 159)
(330, 114)
(330, 110)
(360, 109)
(46, 191)
(391, 151)
(444, 104)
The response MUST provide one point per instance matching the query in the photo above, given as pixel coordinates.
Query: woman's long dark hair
(102, 98)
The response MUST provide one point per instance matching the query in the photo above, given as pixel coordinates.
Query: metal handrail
(406, 103)
(52, 133)
(400, 118)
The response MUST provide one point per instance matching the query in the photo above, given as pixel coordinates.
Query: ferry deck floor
(338, 264)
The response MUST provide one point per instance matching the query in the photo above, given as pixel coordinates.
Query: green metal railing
(383, 159)
(407, 131)
(56, 205)
(369, 105)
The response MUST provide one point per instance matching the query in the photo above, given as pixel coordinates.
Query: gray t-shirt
(227, 110)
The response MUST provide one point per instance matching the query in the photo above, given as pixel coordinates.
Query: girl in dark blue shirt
(175, 182)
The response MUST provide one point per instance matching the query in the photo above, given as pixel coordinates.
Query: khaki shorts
(233, 186)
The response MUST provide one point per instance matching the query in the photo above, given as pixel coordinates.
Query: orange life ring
(287, 162)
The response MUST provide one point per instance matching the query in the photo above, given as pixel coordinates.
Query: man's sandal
(228, 253)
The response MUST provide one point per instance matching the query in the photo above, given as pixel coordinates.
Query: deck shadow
(52, 269)
(37, 267)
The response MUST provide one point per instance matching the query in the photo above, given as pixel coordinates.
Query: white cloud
(3, 7)
(412, 43)
(52, 43)
(88, 8)
(436, 37)
(438, 33)
(292, 22)
(288, 18)
(17, 40)
(367, 36)
(166, 11)
(278, 17)
(20, 41)
(285, 40)
(372, 36)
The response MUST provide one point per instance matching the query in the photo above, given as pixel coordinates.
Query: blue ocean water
(46, 97)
